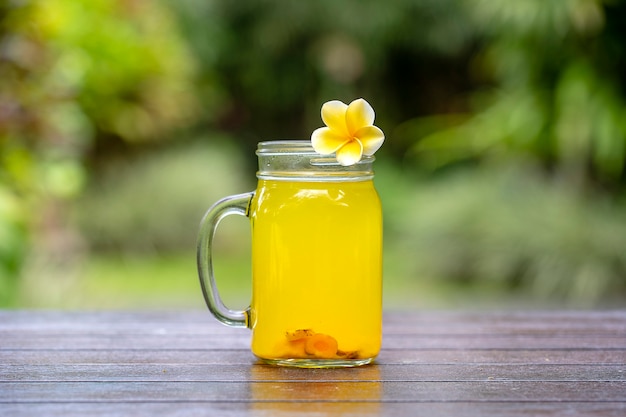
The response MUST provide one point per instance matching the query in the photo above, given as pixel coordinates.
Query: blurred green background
(502, 176)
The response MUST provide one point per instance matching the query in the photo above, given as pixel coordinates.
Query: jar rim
(302, 147)
(286, 146)
(296, 160)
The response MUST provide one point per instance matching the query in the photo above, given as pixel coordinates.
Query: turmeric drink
(317, 249)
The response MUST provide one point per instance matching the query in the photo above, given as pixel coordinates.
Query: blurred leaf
(590, 121)
(74, 76)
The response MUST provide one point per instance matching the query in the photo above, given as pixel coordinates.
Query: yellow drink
(316, 258)
(317, 265)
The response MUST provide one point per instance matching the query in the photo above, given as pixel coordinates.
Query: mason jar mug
(316, 259)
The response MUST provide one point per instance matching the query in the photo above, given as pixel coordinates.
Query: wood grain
(433, 363)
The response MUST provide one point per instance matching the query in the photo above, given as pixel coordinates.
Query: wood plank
(241, 340)
(317, 409)
(244, 357)
(414, 315)
(521, 317)
(303, 391)
(260, 373)
(432, 363)
(415, 323)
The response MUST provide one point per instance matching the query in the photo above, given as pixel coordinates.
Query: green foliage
(556, 96)
(462, 78)
(75, 72)
(122, 62)
(464, 89)
(268, 64)
(514, 227)
(74, 75)
(12, 245)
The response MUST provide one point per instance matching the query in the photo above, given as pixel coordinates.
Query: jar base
(317, 363)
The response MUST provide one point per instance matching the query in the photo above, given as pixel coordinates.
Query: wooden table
(432, 363)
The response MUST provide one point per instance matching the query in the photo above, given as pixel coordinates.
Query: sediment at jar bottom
(307, 344)
(307, 348)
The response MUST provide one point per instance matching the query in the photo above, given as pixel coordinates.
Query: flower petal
(350, 153)
(334, 115)
(326, 141)
(359, 114)
(371, 138)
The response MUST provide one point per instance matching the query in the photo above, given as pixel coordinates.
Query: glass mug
(316, 259)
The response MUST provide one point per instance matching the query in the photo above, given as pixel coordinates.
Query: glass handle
(236, 204)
